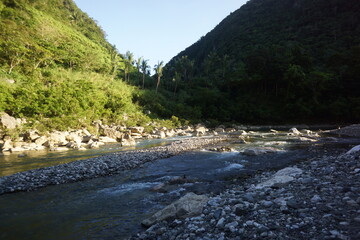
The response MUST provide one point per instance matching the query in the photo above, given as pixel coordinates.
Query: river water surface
(112, 207)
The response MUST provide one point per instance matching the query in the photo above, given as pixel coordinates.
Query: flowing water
(113, 207)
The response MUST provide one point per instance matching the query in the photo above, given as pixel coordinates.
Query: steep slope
(277, 60)
(57, 67)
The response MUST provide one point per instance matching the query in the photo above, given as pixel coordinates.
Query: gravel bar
(99, 166)
(322, 202)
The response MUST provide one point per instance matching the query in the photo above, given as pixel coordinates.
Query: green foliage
(58, 70)
(274, 61)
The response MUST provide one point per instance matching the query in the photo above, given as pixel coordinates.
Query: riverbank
(99, 166)
(318, 199)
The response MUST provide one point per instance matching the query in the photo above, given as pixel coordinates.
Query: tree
(144, 68)
(129, 61)
(115, 60)
(159, 72)
(138, 67)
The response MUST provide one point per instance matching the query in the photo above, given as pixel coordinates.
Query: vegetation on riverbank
(295, 63)
(58, 71)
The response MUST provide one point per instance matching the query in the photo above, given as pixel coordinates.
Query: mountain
(56, 67)
(275, 61)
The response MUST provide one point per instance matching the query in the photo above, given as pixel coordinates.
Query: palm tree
(159, 72)
(129, 61)
(115, 60)
(138, 66)
(144, 68)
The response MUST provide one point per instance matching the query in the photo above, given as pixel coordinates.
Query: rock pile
(318, 199)
(33, 140)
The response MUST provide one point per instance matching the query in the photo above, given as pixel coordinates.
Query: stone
(73, 145)
(111, 133)
(220, 223)
(282, 176)
(294, 131)
(217, 214)
(17, 149)
(74, 137)
(160, 134)
(7, 145)
(86, 139)
(170, 133)
(219, 130)
(107, 140)
(32, 135)
(292, 203)
(190, 205)
(241, 209)
(259, 151)
(95, 145)
(128, 142)
(139, 130)
(41, 140)
(59, 149)
(354, 151)
(7, 122)
(58, 138)
(200, 130)
(315, 199)
(85, 132)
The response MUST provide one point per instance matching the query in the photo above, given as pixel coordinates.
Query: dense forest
(274, 61)
(271, 61)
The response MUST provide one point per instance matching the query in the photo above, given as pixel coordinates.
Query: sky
(157, 30)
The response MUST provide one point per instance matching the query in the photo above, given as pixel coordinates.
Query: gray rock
(315, 199)
(282, 176)
(259, 151)
(7, 122)
(292, 203)
(220, 223)
(188, 206)
(217, 214)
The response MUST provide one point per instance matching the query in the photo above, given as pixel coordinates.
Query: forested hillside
(56, 67)
(274, 61)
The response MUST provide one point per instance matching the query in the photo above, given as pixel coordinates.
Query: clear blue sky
(157, 29)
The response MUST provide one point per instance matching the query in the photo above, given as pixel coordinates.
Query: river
(112, 207)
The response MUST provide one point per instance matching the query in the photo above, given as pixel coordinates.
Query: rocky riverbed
(100, 166)
(318, 198)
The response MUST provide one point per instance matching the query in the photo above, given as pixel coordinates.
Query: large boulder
(255, 151)
(7, 122)
(170, 133)
(127, 141)
(74, 137)
(281, 177)
(139, 130)
(41, 140)
(200, 130)
(58, 138)
(6, 146)
(160, 134)
(111, 133)
(294, 132)
(32, 135)
(190, 205)
(354, 152)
